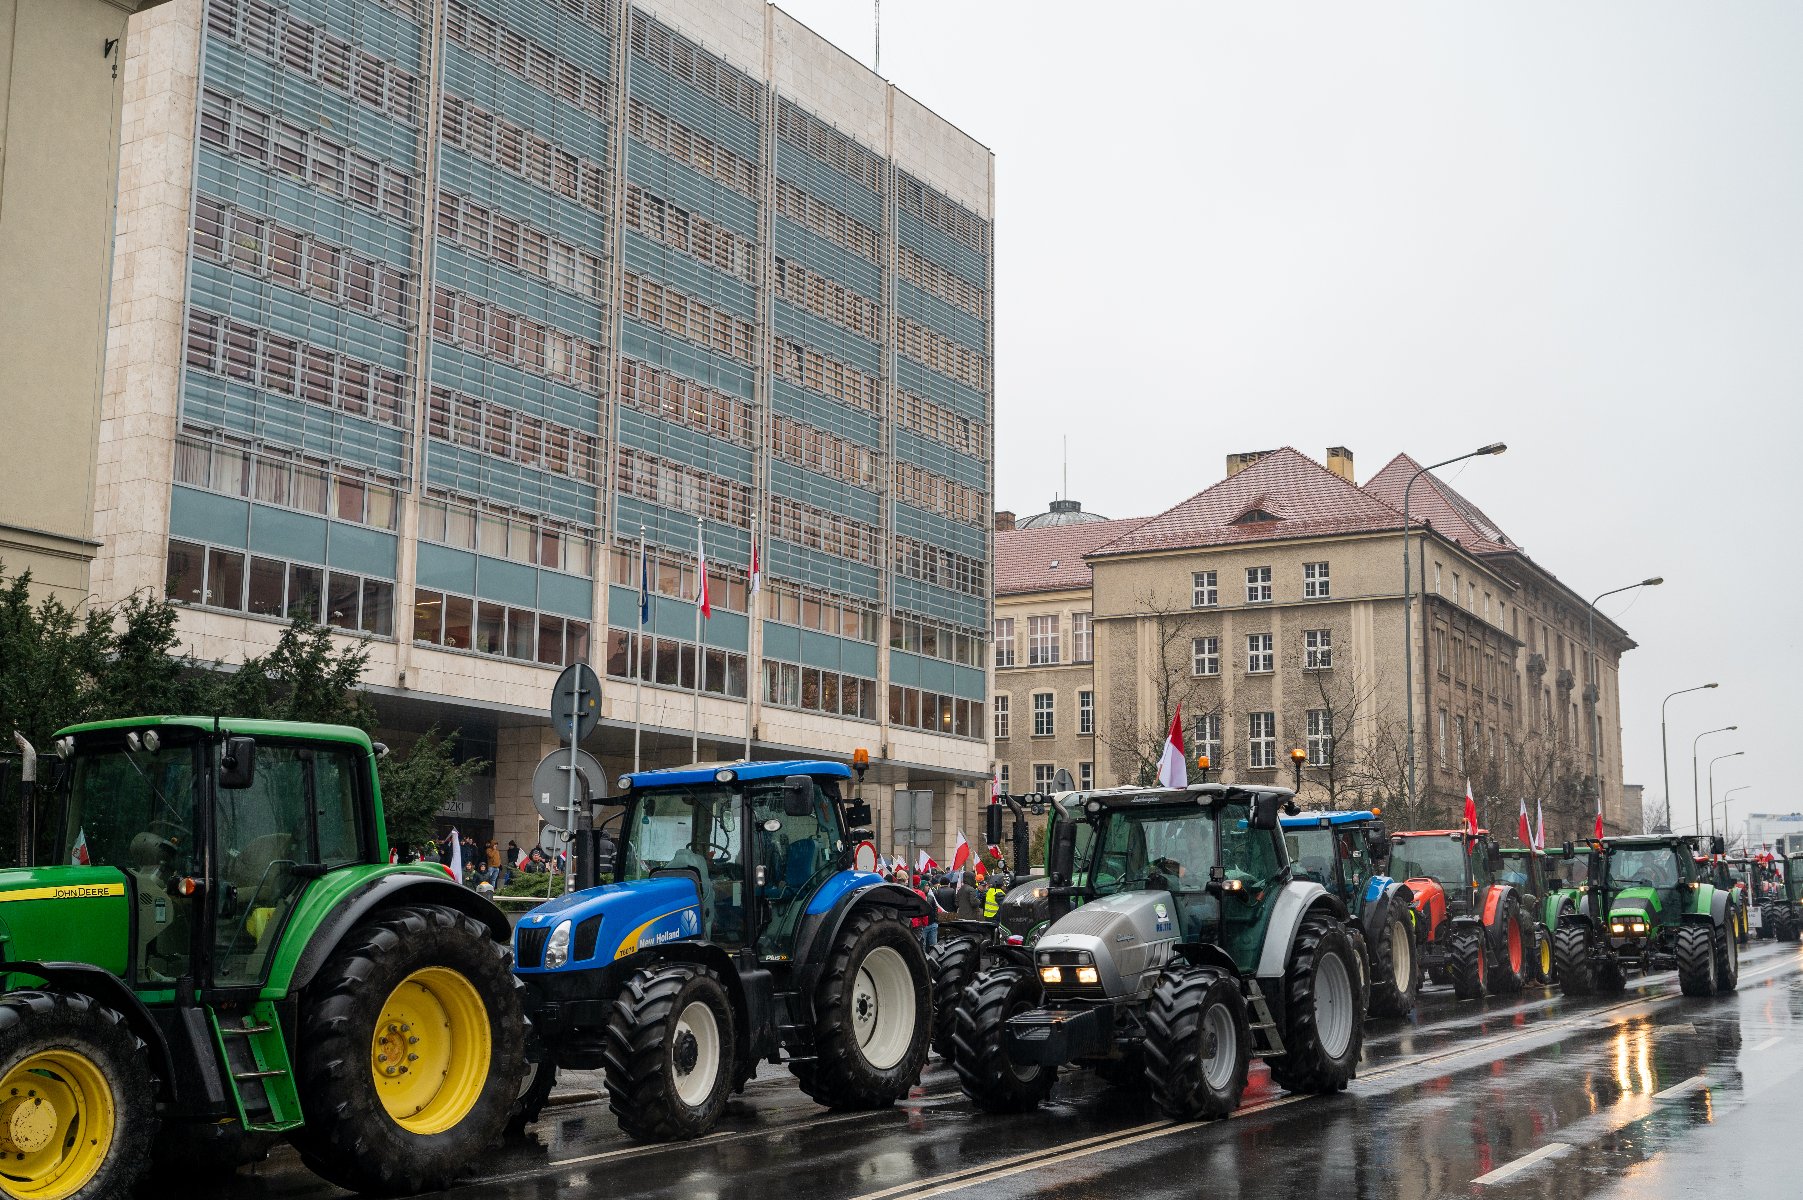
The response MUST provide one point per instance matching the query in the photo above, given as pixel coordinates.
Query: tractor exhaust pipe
(28, 782)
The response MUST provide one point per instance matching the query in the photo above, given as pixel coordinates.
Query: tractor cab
(1524, 868)
(1477, 929)
(1642, 885)
(1341, 851)
(1449, 869)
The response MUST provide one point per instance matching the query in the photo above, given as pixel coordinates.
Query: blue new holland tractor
(736, 931)
(1348, 853)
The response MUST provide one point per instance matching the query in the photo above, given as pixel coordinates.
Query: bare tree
(1345, 761)
(1652, 814)
(1135, 739)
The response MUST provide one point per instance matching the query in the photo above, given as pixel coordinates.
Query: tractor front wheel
(953, 964)
(1695, 952)
(411, 1052)
(1571, 959)
(79, 1102)
(1198, 1043)
(1395, 978)
(669, 1053)
(1323, 1010)
(1467, 964)
(980, 1046)
(873, 1015)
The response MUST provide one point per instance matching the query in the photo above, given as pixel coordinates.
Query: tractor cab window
(1477, 853)
(1149, 850)
(1249, 858)
(693, 830)
(1313, 852)
(1429, 857)
(1518, 872)
(1658, 868)
(794, 856)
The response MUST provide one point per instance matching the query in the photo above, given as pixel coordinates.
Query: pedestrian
(493, 855)
(945, 894)
(969, 901)
(992, 896)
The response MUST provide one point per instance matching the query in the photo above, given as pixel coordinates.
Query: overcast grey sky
(1574, 228)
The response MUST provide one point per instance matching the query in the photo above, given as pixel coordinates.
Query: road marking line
(1678, 1089)
(1765, 1045)
(1522, 1163)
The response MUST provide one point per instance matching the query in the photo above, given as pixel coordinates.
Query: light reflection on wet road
(1646, 1096)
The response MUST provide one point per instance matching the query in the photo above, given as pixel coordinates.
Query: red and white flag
(1599, 822)
(995, 787)
(78, 857)
(701, 598)
(757, 563)
(455, 866)
(1173, 770)
(1470, 810)
(1523, 833)
(525, 858)
(394, 855)
(960, 853)
(1539, 826)
(925, 862)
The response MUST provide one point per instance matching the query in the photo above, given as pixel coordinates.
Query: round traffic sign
(577, 693)
(864, 857)
(551, 786)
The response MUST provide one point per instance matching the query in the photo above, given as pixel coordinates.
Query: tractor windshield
(1312, 851)
(1430, 856)
(1154, 849)
(132, 808)
(1657, 867)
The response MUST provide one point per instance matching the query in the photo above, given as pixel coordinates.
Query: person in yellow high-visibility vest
(992, 898)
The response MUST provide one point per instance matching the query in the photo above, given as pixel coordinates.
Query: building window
(1314, 581)
(1043, 643)
(270, 587)
(1206, 737)
(1205, 656)
(1317, 649)
(934, 712)
(1045, 722)
(1320, 737)
(1002, 778)
(482, 627)
(1440, 659)
(1262, 742)
(1086, 776)
(1083, 638)
(1258, 585)
(1203, 593)
(1440, 742)
(1043, 774)
(1003, 715)
(1086, 714)
(1436, 579)
(792, 686)
(1004, 641)
(1458, 725)
(1260, 658)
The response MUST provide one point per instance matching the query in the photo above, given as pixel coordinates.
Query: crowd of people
(959, 895)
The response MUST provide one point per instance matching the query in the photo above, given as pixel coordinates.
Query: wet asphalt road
(1645, 1096)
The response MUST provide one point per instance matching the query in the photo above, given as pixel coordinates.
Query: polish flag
(525, 858)
(995, 787)
(757, 565)
(394, 855)
(701, 598)
(78, 857)
(1539, 826)
(1470, 810)
(1523, 833)
(455, 867)
(1599, 822)
(925, 862)
(960, 853)
(1173, 771)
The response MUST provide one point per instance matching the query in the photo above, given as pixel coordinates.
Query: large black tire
(980, 1046)
(1694, 949)
(1727, 960)
(668, 1053)
(350, 1137)
(1789, 927)
(1510, 971)
(953, 965)
(47, 1038)
(1395, 973)
(1611, 980)
(1571, 961)
(873, 1015)
(532, 1101)
(1741, 928)
(1468, 963)
(1321, 1039)
(1768, 927)
(1198, 1043)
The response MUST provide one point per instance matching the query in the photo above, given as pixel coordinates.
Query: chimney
(1339, 461)
(1004, 521)
(1239, 462)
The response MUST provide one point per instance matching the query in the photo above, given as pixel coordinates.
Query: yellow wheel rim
(430, 1053)
(56, 1125)
(1546, 958)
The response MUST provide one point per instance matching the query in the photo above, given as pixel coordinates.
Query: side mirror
(1718, 845)
(857, 814)
(1377, 845)
(238, 763)
(1064, 852)
(1496, 856)
(798, 796)
(1265, 809)
(1569, 850)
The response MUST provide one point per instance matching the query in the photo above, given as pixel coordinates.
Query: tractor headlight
(1618, 927)
(557, 949)
(1088, 975)
(1051, 974)
(1639, 927)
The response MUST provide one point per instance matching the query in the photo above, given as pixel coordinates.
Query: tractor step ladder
(1264, 1025)
(256, 1060)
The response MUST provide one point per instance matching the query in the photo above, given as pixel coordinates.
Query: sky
(1420, 227)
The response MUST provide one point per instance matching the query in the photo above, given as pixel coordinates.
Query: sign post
(575, 709)
(914, 821)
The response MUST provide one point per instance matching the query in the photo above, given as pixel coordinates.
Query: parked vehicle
(1779, 884)
(1473, 930)
(1717, 870)
(1348, 853)
(1525, 869)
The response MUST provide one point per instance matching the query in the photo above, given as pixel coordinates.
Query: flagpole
(750, 618)
(638, 654)
(700, 654)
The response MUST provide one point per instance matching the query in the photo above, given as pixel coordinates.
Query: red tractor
(1473, 930)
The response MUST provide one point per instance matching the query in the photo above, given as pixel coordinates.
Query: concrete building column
(518, 751)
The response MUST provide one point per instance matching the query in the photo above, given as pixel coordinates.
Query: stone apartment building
(1269, 606)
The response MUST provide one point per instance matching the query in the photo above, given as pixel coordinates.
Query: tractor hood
(1128, 936)
(66, 914)
(1637, 900)
(609, 922)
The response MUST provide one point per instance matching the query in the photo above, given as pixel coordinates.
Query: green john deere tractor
(1779, 882)
(215, 950)
(1529, 872)
(1648, 908)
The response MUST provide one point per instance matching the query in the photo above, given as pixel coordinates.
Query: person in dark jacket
(968, 901)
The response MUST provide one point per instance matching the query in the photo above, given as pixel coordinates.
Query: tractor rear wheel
(953, 965)
(411, 1052)
(873, 1015)
(669, 1053)
(80, 1111)
(1727, 961)
(1394, 976)
(1695, 951)
(980, 1046)
(1468, 964)
(1788, 927)
(1324, 1026)
(532, 1101)
(1514, 956)
(1768, 927)
(1571, 959)
(1543, 954)
(1198, 1043)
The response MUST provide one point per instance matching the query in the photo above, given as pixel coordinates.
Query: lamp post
(1696, 794)
(1726, 796)
(1712, 762)
(1408, 599)
(1665, 759)
(1593, 691)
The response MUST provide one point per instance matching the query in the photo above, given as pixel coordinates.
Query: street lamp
(1712, 762)
(1408, 599)
(1696, 794)
(1593, 691)
(1664, 756)
(1726, 796)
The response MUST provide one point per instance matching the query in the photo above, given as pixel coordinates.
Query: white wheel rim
(697, 1026)
(1402, 958)
(1221, 1047)
(1733, 954)
(882, 1008)
(1333, 1005)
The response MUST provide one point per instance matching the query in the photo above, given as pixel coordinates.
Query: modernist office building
(424, 309)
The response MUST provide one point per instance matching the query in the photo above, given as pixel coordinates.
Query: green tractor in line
(1531, 872)
(1778, 887)
(1195, 949)
(1648, 908)
(1720, 871)
(217, 952)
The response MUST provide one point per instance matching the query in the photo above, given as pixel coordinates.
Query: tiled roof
(1434, 502)
(1285, 494)
(1050, 557)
